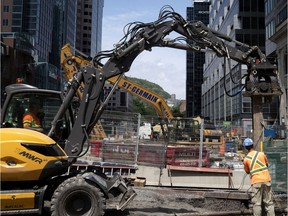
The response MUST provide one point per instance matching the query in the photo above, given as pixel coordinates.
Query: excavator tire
(75, 196)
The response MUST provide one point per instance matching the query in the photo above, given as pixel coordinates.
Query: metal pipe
(201, 143)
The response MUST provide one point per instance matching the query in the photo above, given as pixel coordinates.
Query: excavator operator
(31, 119)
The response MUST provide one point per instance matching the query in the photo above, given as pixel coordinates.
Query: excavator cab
(184, 129)
(19, 97)
(37, 159)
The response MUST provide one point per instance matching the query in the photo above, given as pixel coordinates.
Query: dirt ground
(165, 201)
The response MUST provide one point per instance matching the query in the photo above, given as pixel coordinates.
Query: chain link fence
(140, 140)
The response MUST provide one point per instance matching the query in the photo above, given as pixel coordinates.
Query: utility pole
(261, 83)
(257, 120)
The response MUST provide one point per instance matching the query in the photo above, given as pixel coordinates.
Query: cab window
(19, 106)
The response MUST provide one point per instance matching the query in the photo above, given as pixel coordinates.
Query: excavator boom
(261, 78)
(71, 63)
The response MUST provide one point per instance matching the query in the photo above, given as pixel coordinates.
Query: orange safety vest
(31, 120)
(255, 163)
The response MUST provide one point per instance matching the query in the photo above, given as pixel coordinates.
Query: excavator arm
(71, 63)
(261, 78)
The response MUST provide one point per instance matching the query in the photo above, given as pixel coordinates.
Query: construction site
(172, 179)
(63, 153)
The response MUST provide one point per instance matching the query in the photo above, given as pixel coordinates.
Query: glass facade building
(35, 18)
(195, 61)
(64, 28)
(29, 32)
(96, 35)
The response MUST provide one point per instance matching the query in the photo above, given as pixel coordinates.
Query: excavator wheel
(75, 196)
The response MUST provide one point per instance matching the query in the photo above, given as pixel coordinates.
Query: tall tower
(64, 28)
(195, 61)
(89, 26)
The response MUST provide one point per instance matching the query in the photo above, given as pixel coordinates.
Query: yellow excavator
(71, 63)
(35, 166)
(187, 129)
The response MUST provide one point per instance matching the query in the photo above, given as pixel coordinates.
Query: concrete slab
(156, 176)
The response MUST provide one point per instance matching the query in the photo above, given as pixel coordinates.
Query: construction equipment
(182, 129)
(71, 63)
(35, 168)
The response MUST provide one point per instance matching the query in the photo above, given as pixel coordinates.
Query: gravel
(160, 202)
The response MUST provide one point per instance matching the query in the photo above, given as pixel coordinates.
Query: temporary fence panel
(276, 151)
(129, 139)
(119, 152)
(151, 153)
(132, 138)
(186, 156)
(120, 125)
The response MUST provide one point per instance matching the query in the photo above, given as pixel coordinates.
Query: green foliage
(151, 86)
(141, 106)
(176, 112)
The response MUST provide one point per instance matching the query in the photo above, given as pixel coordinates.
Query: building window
(5, 22)
(246, 107)
(122, 99)
(282, 16)
(246, 23)
(6, 8)
(269, 5)
(270, 29)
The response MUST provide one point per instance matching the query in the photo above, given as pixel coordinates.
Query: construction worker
(30, 119)
(256, 164)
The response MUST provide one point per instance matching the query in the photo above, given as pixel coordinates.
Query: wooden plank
(227, 195)
(193, 143)
(200, 169)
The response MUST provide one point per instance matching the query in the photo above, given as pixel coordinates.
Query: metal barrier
(129, 140)
(137, 140)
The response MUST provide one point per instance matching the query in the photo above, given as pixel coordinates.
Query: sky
(163, 66)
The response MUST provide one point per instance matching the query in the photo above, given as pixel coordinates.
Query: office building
(120, 100)
(26, 38)
(222, 99)
(276, 47)
(195, 61)
(64, 28)
(89, 26)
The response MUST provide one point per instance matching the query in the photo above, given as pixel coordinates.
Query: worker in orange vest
(256, 164)
(30, 119)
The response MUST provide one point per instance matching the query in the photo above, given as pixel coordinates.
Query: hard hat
(248, 142)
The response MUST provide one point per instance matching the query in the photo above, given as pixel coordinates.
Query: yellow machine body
(16, 201)
(21, 163)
